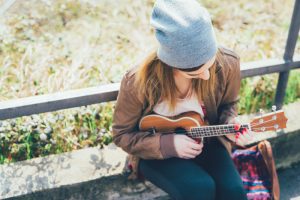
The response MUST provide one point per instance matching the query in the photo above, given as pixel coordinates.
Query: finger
(187, 156)
(237, 135)
(249, 136)
(201, 144)
(243, 133)
(190, 139)
(242, 140)
(193, 153)
(243, 130)
(196, 146)
(237, 126)
(198, 140)
(239, 138)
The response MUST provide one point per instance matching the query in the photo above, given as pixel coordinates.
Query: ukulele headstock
(269, 122)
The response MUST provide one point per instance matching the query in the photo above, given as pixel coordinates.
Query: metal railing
(94, 95)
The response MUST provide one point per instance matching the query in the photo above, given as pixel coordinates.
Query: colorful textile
(254, 173)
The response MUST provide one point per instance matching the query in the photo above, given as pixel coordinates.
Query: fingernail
(236, 127)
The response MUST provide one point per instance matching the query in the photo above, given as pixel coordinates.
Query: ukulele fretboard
(210, 131)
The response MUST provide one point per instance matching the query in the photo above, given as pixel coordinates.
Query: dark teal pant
(211, 175)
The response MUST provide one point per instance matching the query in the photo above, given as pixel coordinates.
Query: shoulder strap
(266, 151)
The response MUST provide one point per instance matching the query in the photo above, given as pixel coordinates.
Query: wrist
(167, 147)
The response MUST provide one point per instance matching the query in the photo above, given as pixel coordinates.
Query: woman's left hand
(243, 136)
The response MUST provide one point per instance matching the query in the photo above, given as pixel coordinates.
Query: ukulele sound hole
(180, 131)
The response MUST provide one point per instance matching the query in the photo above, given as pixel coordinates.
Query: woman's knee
(197, 188)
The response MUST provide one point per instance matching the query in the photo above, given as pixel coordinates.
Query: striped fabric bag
(257, 169)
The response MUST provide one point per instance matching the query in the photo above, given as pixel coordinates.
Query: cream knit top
(190, 103)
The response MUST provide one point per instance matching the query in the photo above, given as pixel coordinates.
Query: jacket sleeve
(228, 108)
(127, 113)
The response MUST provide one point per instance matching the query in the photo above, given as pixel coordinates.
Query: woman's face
(202, 72)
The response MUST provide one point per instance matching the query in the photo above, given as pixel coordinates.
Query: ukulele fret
(210, 131)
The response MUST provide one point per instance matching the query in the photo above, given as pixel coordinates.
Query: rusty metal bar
(87, 96)
(288, 54)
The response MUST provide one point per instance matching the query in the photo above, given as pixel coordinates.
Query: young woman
(188, 72)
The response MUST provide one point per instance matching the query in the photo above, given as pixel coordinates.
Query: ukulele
(191, 124)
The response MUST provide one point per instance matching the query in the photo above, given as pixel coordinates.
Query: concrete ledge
(90, 173)
(96, 173)
(56, 170)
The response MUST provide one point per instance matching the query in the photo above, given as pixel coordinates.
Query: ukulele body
(179, 123)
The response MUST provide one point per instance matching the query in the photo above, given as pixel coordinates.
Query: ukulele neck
(210, 131)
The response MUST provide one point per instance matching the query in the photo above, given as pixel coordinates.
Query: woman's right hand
(186, 147)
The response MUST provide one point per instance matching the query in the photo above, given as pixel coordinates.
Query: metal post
(288, 54)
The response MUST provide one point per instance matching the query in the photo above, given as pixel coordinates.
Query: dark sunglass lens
(191, 69)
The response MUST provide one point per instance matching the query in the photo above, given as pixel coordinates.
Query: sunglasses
(191, 69)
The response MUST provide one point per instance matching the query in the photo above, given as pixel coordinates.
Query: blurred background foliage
(49, 46)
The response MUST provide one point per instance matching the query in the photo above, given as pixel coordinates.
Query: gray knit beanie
(185, 33)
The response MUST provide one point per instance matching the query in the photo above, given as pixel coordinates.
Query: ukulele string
(224, 131)
(265, 127)
(217, 132)
(257, 124)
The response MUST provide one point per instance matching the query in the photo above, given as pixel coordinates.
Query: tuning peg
(261, 111)
(274, 109)
(261, 120)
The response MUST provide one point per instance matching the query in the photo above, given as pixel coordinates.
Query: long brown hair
(155, 81)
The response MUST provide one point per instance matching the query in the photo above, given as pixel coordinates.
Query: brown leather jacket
(130, 108)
